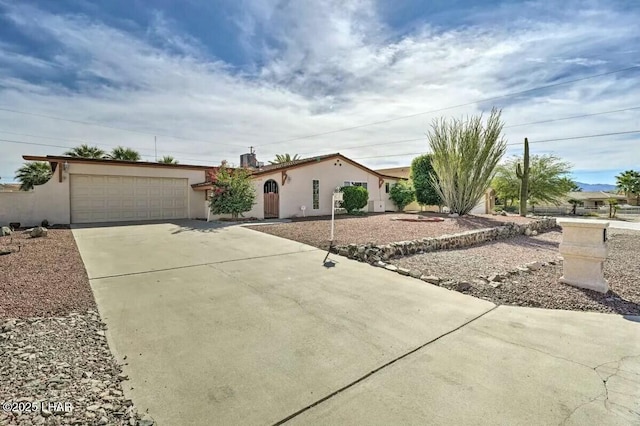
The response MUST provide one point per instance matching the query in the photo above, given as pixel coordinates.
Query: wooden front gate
(271, 200)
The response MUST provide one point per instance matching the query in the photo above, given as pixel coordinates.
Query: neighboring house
(595, 199)
(304, 187)
(485, 205)
(405, 173)
(85, 190)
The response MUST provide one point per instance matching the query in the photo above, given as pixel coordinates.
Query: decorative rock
(5, 231)
(534, 233)
(403, 271)
(391, 268)
(463, 286)
(380, 264)
(528, 232)
(534, 266)
(523, 269)
(431, 279)
(503, 213)
(496, 284)
(372, 253)
(38, 231)
(496, 278)
(146, 420)
(415, 273)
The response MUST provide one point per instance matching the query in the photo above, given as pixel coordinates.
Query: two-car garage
(106, 198)
(97, 190)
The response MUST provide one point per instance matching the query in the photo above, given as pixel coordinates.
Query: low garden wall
(372, 253)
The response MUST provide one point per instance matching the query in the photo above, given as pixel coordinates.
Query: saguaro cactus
(523, 175)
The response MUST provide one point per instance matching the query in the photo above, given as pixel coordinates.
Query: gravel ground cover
(45, 277)
(48, 362)
(56, 365)
(379, 229)
(469, 270)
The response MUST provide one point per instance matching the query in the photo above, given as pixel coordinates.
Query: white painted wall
(51, 201)
(298, 189)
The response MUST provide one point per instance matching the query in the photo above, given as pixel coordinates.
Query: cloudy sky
(209, 78)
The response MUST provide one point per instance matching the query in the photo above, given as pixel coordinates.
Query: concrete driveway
(224, 325)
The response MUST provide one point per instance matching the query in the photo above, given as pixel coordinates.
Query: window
(316, 194)
(387, 186)
(351, 183)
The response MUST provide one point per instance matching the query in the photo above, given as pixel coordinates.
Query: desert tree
(33, 173)
(548, 181)
(167, 159)
(85, 151)
(284, 158)
(422, 175)
(122, 153)
(464, 157)
(628, 182)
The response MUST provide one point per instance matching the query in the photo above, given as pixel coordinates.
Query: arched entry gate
(271, 200)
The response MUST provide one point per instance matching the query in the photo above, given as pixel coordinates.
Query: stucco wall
(298, 188)
(51, 201)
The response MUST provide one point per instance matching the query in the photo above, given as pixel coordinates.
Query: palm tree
(33, 173)
(122, 153)
(629, 183)
(284, 158)
(167, 159)
(85, 151)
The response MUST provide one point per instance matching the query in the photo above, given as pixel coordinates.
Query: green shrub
(354, 198)
(402, 194)
(233, 192)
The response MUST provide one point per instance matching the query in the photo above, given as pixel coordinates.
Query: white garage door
(97, 198)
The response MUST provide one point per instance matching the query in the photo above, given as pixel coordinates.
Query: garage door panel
(97, 198)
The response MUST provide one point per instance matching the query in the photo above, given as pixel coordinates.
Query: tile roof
(279, 166)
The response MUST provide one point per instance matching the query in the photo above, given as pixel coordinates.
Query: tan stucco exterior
(297, 189)
(51, 201)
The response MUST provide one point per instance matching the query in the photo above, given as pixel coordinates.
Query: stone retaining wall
(372, 253)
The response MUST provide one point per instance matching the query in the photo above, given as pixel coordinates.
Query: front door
(271, 200)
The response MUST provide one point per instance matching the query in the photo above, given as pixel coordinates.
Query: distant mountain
(596, 187)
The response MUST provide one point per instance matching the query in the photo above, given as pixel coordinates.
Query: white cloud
(320, 67)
